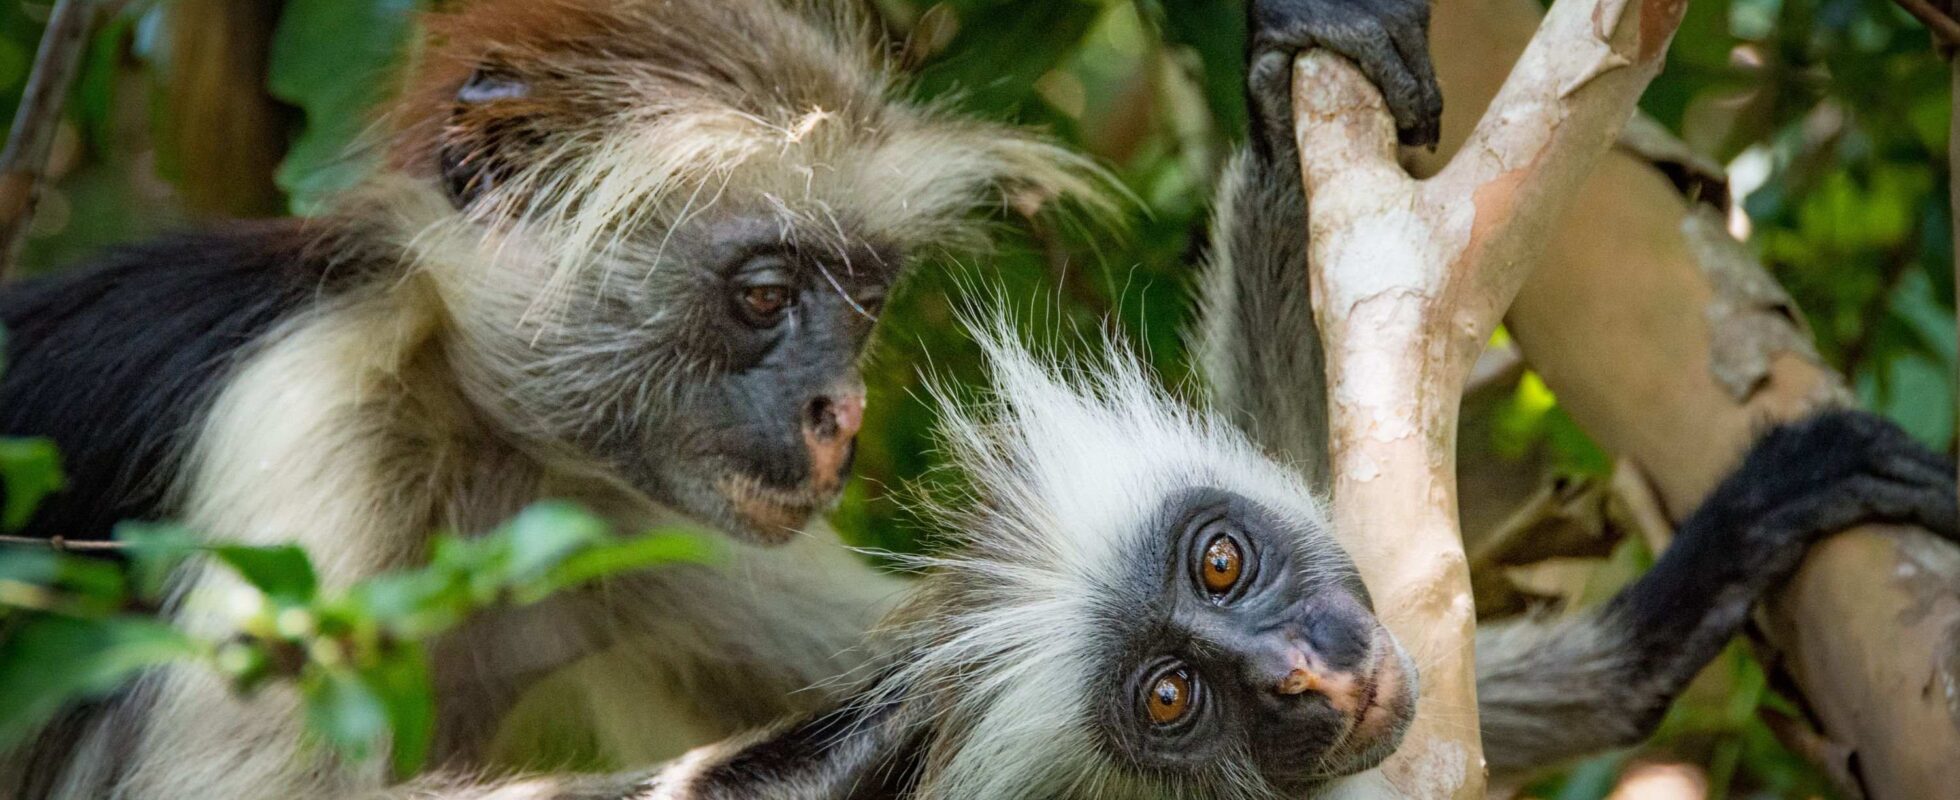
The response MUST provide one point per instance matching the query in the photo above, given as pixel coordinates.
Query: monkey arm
(1552, 691)
(1255, 339)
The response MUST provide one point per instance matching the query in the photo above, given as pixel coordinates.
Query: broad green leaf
(345, 712)
(154, 550)
(283, 572)
(334, 59)
(1003, 48)
(1916, 392)
(402, 682)
(30, 469)
(640, 552)
(30, 565)
(546, 533)
(1216, 32)
(48, 662)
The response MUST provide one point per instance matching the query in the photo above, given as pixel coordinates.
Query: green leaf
(543, 535)
(283, 572)
(345, 712)
(1001, 50)
(49, 662)
(334, 60)
(30, 469)
(402, 682)
(1216, 32)
(1916, 392)
(637, 553)
(154, 550)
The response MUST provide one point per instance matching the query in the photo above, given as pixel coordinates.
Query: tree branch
(24, 162)
(1409, 279)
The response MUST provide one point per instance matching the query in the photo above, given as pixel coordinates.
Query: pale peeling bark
(1409, 279)
(1621, 322)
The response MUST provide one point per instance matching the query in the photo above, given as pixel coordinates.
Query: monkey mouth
(1381, 711)
(775, 515)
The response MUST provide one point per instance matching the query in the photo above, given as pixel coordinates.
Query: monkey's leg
(1548, 692)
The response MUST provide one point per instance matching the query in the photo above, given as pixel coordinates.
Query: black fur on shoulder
(118, 359)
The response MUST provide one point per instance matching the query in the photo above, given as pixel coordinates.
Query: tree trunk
(1409, 280)
(1665, 339)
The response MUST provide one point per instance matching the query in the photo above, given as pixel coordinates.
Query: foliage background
(1831, 115)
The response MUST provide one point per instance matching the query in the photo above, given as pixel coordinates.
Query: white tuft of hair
(1067, 464)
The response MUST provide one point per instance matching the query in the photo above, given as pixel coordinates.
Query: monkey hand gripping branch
(1409, 279)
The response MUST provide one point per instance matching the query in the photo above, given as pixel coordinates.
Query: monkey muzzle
(1346, 662)
(828, 427)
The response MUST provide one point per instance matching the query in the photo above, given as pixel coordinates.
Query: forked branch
(1409, 280)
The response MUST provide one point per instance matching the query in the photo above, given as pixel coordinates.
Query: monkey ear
(488, 83)
(485, 125)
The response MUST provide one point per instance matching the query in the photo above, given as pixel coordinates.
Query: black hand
(1388, 39)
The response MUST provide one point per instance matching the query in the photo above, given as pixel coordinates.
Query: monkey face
(713, 371)
(1258, 641)
(763, 435)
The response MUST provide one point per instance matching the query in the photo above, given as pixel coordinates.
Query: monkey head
(663, 232)
(1255, 643)
(1140, 603)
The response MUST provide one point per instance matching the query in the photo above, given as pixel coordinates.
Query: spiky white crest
(1067, 467)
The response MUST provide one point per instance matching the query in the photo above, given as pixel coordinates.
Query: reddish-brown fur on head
(627, 115)
(589, 61)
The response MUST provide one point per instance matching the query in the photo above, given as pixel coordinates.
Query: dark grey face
(714, 370)
(1252, 639)
(759, 435)
(712, 364)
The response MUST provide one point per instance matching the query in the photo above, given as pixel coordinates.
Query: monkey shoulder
(117, 359)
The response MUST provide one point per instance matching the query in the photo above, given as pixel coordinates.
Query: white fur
(1068, 464)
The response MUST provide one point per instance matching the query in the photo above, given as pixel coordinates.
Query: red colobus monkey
(628, 252)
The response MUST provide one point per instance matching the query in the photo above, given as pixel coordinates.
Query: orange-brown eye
(1223, 564)
(1168, 698)
(763, 304)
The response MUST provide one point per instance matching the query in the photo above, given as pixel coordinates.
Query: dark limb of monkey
(1553, 691)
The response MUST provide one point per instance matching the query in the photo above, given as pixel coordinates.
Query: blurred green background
(1831, 115)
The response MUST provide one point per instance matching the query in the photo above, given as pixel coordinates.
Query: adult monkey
(626, 252)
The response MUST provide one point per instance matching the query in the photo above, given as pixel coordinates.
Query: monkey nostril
(1298, 681)
(834, 418)
(1298, 674)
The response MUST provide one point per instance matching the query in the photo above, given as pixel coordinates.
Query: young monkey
(1141, 604)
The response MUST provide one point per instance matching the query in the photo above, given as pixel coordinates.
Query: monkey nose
(1300, 676)
(1300, 672)
(835, 418)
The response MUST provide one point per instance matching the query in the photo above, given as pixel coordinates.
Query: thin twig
(1943, 26)
(24, 163)
(62, 544)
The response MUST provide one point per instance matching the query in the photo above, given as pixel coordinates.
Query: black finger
(1427, 124)
(1367, 44)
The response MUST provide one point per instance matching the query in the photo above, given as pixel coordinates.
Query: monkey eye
(762, 305)
(1168, 696)
(1221, 565)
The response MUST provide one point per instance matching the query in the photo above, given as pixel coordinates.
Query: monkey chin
(770, 516)
(1375, 729)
